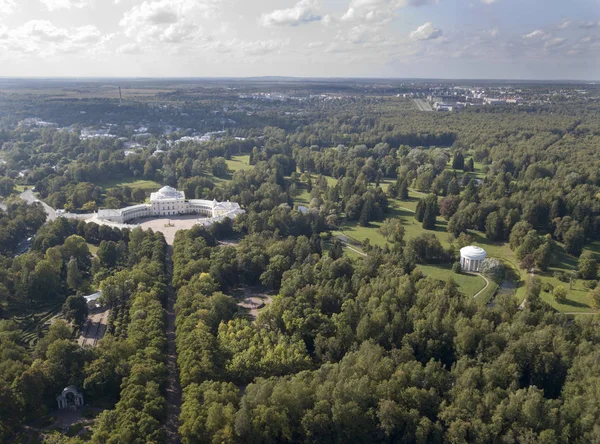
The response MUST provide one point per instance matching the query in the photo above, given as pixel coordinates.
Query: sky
(493, 39)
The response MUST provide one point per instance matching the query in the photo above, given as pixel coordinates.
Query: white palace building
(170, 202)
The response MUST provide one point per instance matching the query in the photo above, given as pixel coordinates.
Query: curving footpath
(487, 284)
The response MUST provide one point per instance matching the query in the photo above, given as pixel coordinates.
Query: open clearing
(237, 163)
(171, 225)
(146, 185)
(252, 301)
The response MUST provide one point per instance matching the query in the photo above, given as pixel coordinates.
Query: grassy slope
(468, 284)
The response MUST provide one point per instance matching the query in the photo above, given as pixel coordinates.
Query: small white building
(471, 258)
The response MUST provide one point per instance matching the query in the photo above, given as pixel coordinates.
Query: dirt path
(346, 242)
(173, 393)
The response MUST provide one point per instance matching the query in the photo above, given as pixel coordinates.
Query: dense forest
(357, 340)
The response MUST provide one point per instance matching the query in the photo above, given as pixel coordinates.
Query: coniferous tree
(420, 211)
(458, 162)
(430, 213)
(403, 190)
(336, 251)
(453, 187)
(365, 214)
(469, 166)
(73, 274)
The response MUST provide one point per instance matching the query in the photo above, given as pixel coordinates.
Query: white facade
(471, 258)
(170, 202)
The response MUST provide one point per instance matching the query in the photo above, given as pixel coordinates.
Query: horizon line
(267, 77)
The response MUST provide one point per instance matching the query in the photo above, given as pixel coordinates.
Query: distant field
(146, 185)
(237, 163)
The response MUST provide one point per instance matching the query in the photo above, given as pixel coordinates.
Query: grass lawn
(487, 294)
(577, 299)
(303, 196)
(146, 185)
(479, 172)
(468, 284)
(93, 249)
(404, 210)
(22, 188)
(237, 163)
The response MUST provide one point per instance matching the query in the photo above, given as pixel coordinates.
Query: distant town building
(471, 258)
(170, 202)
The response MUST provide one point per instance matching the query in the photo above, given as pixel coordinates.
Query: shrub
(47, 421)
(591, 284)
(562, 276)
(560, 294)
(547, 287)
(456, 268)
(595, 296)
(494, 269)
(74, 429)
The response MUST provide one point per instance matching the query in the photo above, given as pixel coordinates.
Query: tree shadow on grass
(575, 304)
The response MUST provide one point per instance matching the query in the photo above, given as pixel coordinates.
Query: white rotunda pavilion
(471, 258)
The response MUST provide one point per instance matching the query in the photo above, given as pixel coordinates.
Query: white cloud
(54, 5)
(555, 43)
(170, 21)
(426, 31)
(7, 6)
(565, 24)
(316, 44)
(305, 11)
(379, 10)
(488, 2)
(537, 34)
(43, 38)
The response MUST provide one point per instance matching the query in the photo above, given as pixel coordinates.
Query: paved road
(173, 392)
(28, 196)
(422, 105)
